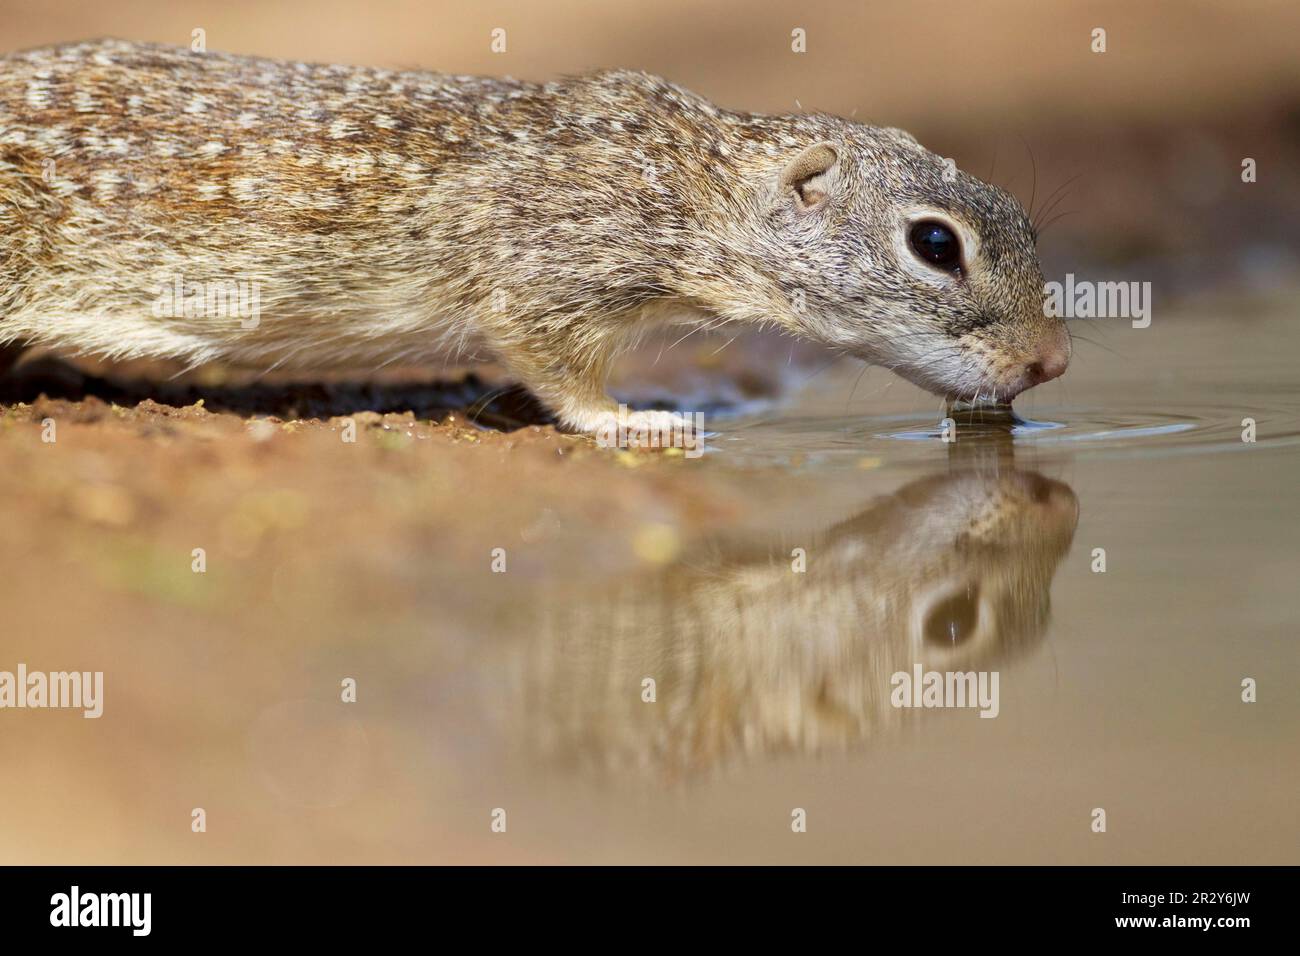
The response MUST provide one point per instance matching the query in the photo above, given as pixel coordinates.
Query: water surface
(1120, 689)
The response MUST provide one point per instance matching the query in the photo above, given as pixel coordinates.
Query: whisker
(854, 389)
(1033, 163)
(1104, 348)
(1043, 228)
(1056, 195)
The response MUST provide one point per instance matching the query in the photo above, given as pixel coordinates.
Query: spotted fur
(389, 216)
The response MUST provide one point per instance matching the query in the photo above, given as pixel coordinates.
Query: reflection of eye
(953, 620)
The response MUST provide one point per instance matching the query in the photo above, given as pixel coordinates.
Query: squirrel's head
(891, 253)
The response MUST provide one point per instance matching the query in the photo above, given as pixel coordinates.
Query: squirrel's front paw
(649, 429)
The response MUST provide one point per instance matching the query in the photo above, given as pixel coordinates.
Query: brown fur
(407, 217)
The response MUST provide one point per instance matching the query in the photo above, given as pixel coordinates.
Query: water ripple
(1201, 430)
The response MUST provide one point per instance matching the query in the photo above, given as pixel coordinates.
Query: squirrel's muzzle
(1047, 361)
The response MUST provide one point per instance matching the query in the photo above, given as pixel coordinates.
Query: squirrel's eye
(953, 620)
(936, 244)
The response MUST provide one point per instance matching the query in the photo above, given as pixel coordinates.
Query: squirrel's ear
(810, 175)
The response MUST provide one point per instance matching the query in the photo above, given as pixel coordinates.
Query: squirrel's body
(384, 216)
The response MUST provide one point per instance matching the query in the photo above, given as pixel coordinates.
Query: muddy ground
(110, 483)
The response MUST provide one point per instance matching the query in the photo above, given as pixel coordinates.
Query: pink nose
(1051, 362)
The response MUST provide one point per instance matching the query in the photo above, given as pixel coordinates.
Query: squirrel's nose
(1050, 363)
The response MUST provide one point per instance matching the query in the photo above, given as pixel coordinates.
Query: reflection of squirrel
(747, 656)
(389, 216)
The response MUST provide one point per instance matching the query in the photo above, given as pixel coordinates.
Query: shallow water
(1119, 689)
(1184, 406)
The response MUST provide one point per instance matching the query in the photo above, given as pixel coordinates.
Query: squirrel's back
(126, 168)
(131, 103)
(365, 200)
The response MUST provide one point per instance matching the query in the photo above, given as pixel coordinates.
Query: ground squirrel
(385, 216)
